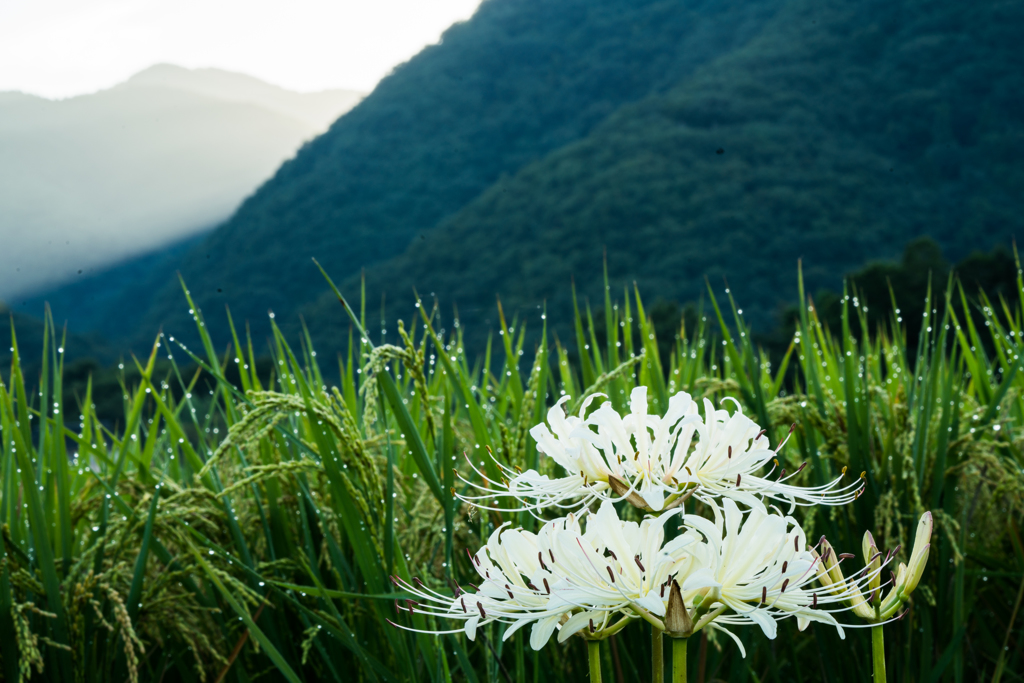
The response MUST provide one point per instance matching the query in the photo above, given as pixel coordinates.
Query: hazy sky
(59, 48)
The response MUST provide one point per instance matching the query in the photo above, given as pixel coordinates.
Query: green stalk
(657, 656)
(679, 660)
(878, 653)
(594, 650)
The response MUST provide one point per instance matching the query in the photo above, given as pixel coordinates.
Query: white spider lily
(515, 590)
(587, 472)
(615, 566)
(758, 571)
(656, 462)
(564, 579)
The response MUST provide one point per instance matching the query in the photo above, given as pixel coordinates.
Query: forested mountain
(839, 133)
(29, 331)
(519, 80)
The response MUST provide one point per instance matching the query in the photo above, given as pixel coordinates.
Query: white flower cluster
(656, 462)
(593, 573)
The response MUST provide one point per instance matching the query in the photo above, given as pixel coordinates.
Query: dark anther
(796, 543)
(764, 594)
(509, 591)
(591, 625)
(480, 607)
(397, 608)
(540, 557)
(613, 555)
(547, 589)
(785, 565)
(814, 603)
(610, 574)
(531, 586)
(638, 563)
(801, 468)
(846, 556)
(760, 434)
(419, 583)
(552, 555)
(463, 602)
(738, 479)
(730, 451)
(409, 605)
(784, 584)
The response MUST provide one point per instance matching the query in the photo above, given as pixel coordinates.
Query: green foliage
(906, 284)
(246, 530)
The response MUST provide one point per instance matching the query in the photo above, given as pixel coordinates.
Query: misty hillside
(167, 154)
(97, 301)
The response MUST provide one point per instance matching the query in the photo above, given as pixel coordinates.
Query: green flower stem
(594, 650)
(657, 656)
(679, 660)
(878, 653)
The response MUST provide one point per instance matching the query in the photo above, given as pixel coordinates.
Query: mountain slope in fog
(90, 180)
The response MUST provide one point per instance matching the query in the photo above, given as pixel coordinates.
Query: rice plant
(247, 529)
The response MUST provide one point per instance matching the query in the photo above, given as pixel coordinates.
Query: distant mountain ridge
(94, 179)
(315, 109)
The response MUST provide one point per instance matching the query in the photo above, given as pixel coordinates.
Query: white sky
(60, 48)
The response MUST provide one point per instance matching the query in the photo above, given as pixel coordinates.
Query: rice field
(245, 529)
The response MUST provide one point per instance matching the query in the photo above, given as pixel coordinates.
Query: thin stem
(594, 650)
(679, 660)
(657, 656)
(878, 653)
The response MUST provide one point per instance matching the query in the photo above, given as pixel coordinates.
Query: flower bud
(868, 547)
(873, 562)
(919, 557)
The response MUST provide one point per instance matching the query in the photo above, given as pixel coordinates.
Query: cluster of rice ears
(246, 531)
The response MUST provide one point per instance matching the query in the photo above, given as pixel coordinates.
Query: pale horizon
(59, 49)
